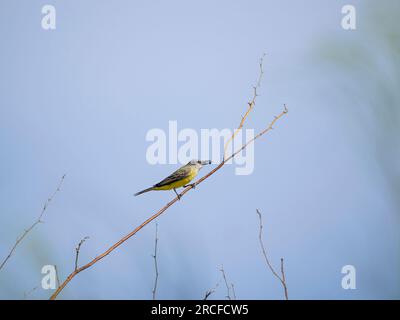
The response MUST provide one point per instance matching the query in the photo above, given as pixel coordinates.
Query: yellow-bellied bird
(180, 178)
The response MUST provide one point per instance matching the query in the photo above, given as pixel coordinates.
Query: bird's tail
(143, 191)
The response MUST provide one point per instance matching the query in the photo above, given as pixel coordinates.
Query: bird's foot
(177, 194)
(193, 185)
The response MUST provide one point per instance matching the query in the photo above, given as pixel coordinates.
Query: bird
(179, 178)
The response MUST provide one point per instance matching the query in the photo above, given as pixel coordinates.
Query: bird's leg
(193, 185)
(179, 197)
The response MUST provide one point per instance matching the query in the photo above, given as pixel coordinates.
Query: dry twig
(57, 276)
(155, 264)
(233, 291)
(228, 287)
(77, 251)
(208, 293)
(27, 294)
(172, 202)
(211, 291)
(281, 277)
(251, 105)
(38, 220)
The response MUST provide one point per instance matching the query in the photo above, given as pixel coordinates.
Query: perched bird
(180, 178)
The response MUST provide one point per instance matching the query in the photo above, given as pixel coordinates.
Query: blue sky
(80, 99)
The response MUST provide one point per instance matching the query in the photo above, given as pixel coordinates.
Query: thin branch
(155, 263)
(233, 291)
(163, 209)
(57, 276)
(208, 293)
(211, 291)
(77, 251)
(37, 221)
(228, 288)
(26, 294)
(284, 280)
(281, 277)
(250, 107)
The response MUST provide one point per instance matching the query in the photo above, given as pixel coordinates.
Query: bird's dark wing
(176, 176)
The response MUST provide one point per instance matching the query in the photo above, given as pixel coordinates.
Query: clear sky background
(80, 99)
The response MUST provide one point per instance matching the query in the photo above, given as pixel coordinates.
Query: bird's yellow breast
(179, 183)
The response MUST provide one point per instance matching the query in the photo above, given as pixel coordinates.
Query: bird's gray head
(198, 163)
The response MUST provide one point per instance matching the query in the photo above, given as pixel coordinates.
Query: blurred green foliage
(368, 61)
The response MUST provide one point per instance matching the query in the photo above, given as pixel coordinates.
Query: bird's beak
(206, 162)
